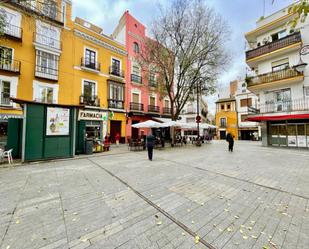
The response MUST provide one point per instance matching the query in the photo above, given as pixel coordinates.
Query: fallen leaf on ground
(220, 230)
(253, 236)
(249, 228)
(252, 222)
(183, 234)
(196, 239)
(236, 217)
(159, 223)
(192, 222)
(226, 210)
(18, 221)
(245, 237)
(241, 231)
(214, 225)
(75, 213)
(84, 240)
(8, 247)
(229, 229)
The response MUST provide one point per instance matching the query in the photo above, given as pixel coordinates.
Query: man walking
(230, 140)
(150, 141)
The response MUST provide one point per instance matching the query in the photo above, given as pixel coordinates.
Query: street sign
(198, 119)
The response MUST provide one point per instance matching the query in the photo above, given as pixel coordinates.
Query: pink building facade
(143, 99)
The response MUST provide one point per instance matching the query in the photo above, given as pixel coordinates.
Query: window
(135, 97)
(49, 9)
(89, 89)
(136, 69)
(152, 101)
(46, 94)
(246, 102)
(6, 57)
(152, 77)
(229, 106)
(166, 103)
(223, 122)
(116, 95)
(136, 47)
(278, 100)
(46, 65)
(222, 107)
(90, 59)
(115, 67)
(280, 64)
(244, 117)
(306, 92)
(47, 35)
(278, 35)
(5, 87)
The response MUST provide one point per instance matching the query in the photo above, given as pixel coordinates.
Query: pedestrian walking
(230, 140)
(117, 138)
(150, 142)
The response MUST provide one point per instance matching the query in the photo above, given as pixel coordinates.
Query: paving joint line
(166, 214)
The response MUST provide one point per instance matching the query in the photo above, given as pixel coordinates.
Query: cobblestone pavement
(186, 198)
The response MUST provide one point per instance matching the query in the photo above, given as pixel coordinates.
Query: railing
(46, 72)
(5, 99)
(152, 83)
(136, 106)
(47, 41)
(223, 126)
(114, 103)
(91, 100)
(13, 31)
(274, 76)
(48, 9)
(116, 71)
(272, 46)
(280, 106)
(10, 65)
(45, 100)
(153, 108)
(167, 110)
(136, 78)
(93, 65)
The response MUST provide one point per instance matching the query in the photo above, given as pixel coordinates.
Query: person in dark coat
(150, 142)
(230, 140)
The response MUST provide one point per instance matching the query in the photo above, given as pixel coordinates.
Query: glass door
(301, 136)
(292, 135)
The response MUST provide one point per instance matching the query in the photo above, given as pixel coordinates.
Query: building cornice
(99, 42)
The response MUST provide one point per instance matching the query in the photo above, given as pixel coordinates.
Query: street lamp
(300, 67)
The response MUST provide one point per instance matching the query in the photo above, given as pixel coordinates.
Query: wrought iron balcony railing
(288, 105)
(153, 108)
(273, 46)
(91, 100)
(115, 103)
(45, 100)
(46, 72)
(136, 106)
(5, 99)
(283, 74)
(46, 9)
(93, 65)
(167, 110)
(47, 41)
(13, 31)
(136, 78)
(116, 72)
(7, 64)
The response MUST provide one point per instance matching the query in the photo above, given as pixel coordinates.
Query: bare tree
(187, 50)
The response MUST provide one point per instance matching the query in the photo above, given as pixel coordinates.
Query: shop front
(4, 123)
(117, 126)
(91, 131)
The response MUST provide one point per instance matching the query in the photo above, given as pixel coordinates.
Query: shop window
(5, 87)
(136, 47)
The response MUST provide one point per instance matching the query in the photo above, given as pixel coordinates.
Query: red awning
(281, 117)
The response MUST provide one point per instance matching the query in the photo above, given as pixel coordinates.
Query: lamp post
(300, 67)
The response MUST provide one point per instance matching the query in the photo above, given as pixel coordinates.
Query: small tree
(187, 49)
(301, 10)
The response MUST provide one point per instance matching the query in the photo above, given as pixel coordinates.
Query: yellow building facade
(46, 57)
(226, 118)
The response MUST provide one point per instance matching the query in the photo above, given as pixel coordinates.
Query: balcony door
(6, 56)
(90, 58)
(135, 98)
(5, 88)
(115, 67)
(89, 90)
(152, 101)
(283, 100)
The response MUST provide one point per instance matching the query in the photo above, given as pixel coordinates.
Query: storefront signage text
(88, 115)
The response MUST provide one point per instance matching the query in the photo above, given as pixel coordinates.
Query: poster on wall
(292, 141)
(57, 121)
(301, 141)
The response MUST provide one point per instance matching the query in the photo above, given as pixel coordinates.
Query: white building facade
(247, 130)
(279, 77)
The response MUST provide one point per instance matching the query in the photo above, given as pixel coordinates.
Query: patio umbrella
(148, 124)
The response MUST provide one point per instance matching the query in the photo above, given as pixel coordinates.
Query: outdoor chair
(8, 155)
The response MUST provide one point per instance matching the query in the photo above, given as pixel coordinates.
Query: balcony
(46, 72)
(273, 46)
(10, 65)
(5, 99)
(89, 100)
(289, 74)
(45, 100)
(45, 9)
(13, 32)
(153, 108)
(136, 107)
(89, 65)
(114, 103)
(288, 105)
(47, 41)
(114, 71)
(167, 110)
(136, 78)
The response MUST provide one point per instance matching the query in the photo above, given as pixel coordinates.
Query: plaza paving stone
(254, 197)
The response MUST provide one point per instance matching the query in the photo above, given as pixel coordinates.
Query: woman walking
(230, 140)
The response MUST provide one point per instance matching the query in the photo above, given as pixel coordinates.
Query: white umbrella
(148, 124)
(171, 124)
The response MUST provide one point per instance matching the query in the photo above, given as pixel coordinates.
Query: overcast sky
(240, 15)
